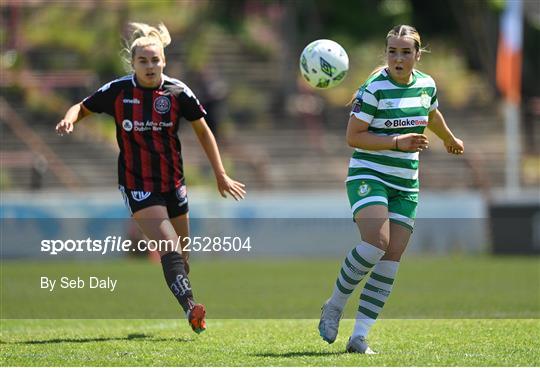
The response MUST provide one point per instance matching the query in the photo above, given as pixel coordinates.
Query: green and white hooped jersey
(392, 109)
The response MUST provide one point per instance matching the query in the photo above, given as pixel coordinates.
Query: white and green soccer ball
(324, 64)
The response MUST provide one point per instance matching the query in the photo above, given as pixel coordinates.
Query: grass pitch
(456, 311)
(266, 343)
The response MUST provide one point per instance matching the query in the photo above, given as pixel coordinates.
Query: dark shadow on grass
(299, 354)
(130, 337)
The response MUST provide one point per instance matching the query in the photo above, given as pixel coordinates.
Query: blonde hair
(404, 30)
(398, 31)
(141, 35)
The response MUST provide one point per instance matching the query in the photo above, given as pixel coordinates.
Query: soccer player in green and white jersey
(389, 115)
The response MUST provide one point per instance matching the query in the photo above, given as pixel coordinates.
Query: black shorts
(176, 201)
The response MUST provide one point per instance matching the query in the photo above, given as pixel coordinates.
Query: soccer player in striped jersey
(389, 114)
(147, 107)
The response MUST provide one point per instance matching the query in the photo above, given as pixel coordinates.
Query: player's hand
(228, 185)
(64, 127)
(412, 142)
(454, 146)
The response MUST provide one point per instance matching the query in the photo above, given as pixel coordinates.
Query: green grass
(428, 287)
(266, 343)
(456, 311)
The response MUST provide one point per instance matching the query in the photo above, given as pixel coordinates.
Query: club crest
(425, 100)
(162, 104)
(364, 189)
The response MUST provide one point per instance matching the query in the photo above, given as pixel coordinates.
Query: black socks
(177, 280)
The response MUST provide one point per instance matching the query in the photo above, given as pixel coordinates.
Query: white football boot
(329, 323)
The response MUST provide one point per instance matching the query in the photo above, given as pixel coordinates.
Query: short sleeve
(102, 100)
(364, 105)
(434, 101)
(190, 107)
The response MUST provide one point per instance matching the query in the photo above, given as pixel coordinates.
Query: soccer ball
(324, 64)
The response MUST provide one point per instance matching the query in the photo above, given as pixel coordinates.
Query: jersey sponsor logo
(139, 195)
(127, 125)
(143, 126)
(134, 101)
(162, 105)
(181, 194)
(425, 100)
(404, 123)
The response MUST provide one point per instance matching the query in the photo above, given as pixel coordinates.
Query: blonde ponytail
(141, 35)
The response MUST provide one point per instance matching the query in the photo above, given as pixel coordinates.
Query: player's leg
(378, 287)
(181, 227)
(402, 211)
(373, 224)
(177, 210)
(399, 239)
(151, 214)
(197, 314)
(368, 201)
(155, 224)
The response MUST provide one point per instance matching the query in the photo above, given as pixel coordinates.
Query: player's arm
(437, 125)
(358, 136)
(208, 142)
(74, 114)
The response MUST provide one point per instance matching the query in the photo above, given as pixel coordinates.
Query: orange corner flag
(509, 52)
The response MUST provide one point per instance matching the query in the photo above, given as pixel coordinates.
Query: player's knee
(383, 242)
(391, 255)
(378, 240)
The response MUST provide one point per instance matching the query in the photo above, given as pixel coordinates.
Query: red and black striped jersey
(147, 121)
